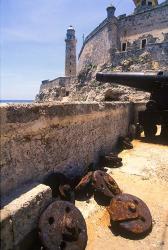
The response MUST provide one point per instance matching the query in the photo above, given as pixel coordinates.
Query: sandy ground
(144, 174)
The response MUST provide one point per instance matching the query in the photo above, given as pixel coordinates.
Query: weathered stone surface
(87, 89)
(55, 89)
(152, 25)
(39, 139)
(6, 235)
(24, 212)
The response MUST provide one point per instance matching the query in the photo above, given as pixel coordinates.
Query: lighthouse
(70, 52)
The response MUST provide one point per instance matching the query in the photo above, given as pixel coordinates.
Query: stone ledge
(24, 113)
(20, 216)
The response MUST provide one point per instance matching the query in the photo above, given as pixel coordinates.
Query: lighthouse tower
(70, 52)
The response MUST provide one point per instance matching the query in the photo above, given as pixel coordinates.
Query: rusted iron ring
(105, 184)
(67, 193)
(131, 214)
(84, 188)
(62, 226)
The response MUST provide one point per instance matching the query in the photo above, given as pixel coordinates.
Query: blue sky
(33, 33)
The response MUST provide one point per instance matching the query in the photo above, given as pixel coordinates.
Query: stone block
(26, 209)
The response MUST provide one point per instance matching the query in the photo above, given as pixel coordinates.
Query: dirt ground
(144, 174)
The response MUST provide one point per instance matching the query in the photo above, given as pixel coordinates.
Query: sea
(3, 102)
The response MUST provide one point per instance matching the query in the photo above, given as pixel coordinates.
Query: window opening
(143, 2)
(143, 43)
(67, 93)
(124, 47)
(149, 3)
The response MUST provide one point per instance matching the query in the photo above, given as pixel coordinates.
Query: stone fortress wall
(158, 53)
(60, 81)
(96, 47)
(39, 139)
(104, 44)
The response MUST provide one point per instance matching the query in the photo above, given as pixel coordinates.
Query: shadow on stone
(101, 199)
(31, 242)
(54, 180)
(117, 230)
(161, 140)
(85, 194)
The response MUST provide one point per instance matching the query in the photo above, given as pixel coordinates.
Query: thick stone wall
(60, 81)
(96, 50)
(55, 89)
(150, 24)
(157, 53)
(39, 139)
(153, 22)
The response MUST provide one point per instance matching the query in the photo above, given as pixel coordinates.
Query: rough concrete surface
(144, 174)
(39, 139)
(20, 216)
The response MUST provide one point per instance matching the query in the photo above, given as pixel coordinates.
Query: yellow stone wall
(138, 2)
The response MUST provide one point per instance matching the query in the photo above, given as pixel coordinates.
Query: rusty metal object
(62, 226)
(125, 143)
(115, 156)
(85, 181)
(139, 130)
(130, 213)
(84, 188)
(112, 160)
(105, 184)
(54, 180)
(67, 193)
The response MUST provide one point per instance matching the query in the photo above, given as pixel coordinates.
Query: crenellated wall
(39, 139)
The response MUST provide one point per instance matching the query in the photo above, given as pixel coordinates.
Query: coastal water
(15, 101)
